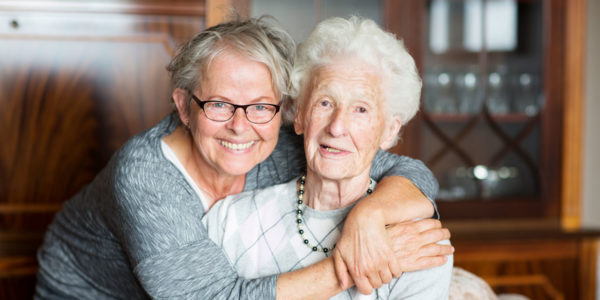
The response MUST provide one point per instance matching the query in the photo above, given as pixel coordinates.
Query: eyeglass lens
(223, 111)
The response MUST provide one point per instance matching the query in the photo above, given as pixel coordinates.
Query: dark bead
(306, 242)
(299, 211)
(325, 250)
(298, 221)
(301, 192)
(302, 182)
(299, 201)
(315, 249)
(301, 231)
(369, 191)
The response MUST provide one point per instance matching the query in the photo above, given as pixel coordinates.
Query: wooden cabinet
(492, 114)
(535, 259)
(77, 79)
(499, 127)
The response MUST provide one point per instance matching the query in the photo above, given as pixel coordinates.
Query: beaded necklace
(299, 212)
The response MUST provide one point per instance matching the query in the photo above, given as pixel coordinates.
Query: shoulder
(142, 156)
(139, 171)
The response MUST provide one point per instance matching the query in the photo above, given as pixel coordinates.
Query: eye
(259, 107)
(361, 109)
(325, 103)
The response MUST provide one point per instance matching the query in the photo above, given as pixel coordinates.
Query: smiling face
(235, 146)
(343, 119)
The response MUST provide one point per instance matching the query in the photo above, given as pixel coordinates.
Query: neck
(327, 194)
(214, 184)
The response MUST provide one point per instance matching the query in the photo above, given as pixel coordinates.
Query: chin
(237, 169)
(332, 171)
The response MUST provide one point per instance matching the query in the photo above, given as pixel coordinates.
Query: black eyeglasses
(220, 111)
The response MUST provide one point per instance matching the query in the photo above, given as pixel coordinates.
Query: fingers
(413, 227)
(427, 262)
(363, 285)
(341, 270)
(385, 275)
(394, 267)
(368, 272)
(434, 235)
(426, 224)
(374, 280)
(432, 250)
(428, 256)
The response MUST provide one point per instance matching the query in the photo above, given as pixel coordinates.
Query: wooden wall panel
(77, 79)
(73, 89)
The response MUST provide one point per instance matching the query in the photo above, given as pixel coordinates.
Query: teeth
(236, 146)
(329, 149)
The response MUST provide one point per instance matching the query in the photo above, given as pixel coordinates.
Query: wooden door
(77, 79)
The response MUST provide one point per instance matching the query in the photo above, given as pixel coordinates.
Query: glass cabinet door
(482, 98)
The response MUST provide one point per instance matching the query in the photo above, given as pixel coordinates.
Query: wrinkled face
(343, 119)
(234, 147)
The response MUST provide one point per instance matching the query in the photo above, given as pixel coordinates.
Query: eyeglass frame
(235, 107)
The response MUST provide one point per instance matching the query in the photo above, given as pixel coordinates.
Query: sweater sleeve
(157, 219)
(388, 164)
(432, 283)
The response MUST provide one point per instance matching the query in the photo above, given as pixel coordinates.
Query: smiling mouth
(233, 146)
(330, 149)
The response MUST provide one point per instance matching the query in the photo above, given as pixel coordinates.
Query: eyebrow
(253, 101)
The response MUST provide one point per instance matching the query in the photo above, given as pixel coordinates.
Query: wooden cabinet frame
(560, 160)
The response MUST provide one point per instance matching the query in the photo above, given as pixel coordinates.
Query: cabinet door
(77, 79)
(74, 87)
(489, 127)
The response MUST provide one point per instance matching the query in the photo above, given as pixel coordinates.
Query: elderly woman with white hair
(356, 85)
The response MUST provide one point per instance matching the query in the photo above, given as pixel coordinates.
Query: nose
(338, 123)
(238, 123)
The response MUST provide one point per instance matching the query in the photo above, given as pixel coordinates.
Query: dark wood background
(77, 79)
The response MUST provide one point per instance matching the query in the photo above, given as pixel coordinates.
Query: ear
(391, 132)
(181, 100)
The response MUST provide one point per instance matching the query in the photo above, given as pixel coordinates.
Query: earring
(187, 125)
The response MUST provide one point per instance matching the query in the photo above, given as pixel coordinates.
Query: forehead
(232, 74)
(347, 76)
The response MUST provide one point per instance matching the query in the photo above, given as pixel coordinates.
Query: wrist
(369, 211)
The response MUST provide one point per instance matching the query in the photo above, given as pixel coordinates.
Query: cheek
(368, 135)
(206, 128)
(270, 131)
(315, 125)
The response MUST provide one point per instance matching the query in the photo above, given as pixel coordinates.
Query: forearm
(396, 199)
(387, 164)
(317, 281)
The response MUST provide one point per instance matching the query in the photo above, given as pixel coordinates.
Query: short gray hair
(260, 39)
(338, 37)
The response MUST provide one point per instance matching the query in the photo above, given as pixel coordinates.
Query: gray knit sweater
(135, 231)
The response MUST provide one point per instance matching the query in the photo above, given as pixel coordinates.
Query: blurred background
(507, 123)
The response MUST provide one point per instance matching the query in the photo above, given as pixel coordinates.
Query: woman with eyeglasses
(135, 231)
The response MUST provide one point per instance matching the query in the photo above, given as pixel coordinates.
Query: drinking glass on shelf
(466, 93)
(526, 93)
(445, 101)
(497, 101)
